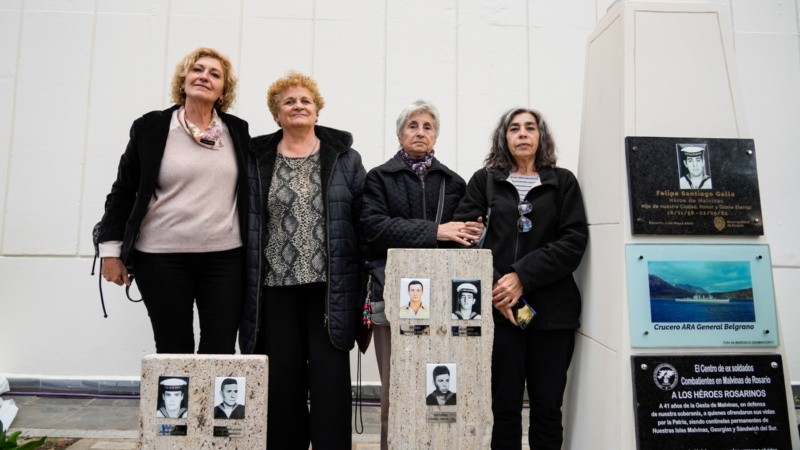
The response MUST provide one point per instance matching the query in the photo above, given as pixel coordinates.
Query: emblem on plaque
(665, 376)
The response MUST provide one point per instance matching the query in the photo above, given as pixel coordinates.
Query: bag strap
(440, 208)
(489, 191)
(96, 243)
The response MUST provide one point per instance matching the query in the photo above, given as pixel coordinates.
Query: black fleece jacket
(545, 257)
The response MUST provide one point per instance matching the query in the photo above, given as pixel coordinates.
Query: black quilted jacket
(342, 188)
(399, 209)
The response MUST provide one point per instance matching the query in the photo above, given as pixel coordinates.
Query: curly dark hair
(499, 156)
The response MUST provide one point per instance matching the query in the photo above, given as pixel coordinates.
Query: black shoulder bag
(95, 236)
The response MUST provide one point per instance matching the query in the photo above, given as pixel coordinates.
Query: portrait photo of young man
(466, 300)
(173, 398)
(415, 298)
(442, 384)
(229, 398)
(693, 166)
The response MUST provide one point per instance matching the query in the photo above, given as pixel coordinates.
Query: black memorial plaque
(731, 402)
(415, 330)
(693, 186)
(469, 331)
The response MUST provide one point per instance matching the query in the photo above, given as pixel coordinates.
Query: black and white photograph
(173, 397)
(693, 166)
(229, 397)
(466, 300)
(440, 382)
(415, 298)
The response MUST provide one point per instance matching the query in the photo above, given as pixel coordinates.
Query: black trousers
(304, 366)
(540, 358)
(171, 283)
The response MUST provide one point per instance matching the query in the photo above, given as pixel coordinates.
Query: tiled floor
(113, 423)
(106, 424)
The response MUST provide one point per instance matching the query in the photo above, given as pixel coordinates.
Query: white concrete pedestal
(653, 69)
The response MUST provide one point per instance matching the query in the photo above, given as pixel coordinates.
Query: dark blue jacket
(342, 177)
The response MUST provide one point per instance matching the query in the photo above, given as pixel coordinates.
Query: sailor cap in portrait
(692, 151)
(467, 287)
(173, 384)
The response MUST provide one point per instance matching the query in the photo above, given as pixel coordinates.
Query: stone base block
(180, 395)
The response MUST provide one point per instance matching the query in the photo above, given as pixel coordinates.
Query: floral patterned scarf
(420, 166)
(211, 137)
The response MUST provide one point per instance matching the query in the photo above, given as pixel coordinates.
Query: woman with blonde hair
(179, 211)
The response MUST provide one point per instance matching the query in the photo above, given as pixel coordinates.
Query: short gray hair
(417, 107)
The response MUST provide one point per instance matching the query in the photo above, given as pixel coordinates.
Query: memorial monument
(665, 357)
(203, 401)
(439, 306)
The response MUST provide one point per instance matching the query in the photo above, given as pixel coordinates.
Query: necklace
(300, 160)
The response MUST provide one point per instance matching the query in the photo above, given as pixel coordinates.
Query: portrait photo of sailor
(229, 395)
(693, 166)
(466, 300)
(173, 397)
(441, 383)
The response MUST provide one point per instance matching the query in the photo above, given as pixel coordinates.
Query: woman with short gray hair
(409, 203)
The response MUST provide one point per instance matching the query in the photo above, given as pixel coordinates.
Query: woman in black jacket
(537, 232)
(401, 203)
(311, 186)
(179, 211)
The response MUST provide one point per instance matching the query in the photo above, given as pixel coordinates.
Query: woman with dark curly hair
(537, 231)
(178, 211)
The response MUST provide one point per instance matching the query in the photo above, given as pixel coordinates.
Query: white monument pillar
(652, 69)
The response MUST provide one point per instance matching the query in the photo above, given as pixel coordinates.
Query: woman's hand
(114, 270)
(506, 293)
(508, 313)
(464, 233)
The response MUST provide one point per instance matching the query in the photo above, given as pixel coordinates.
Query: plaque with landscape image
(706, 295)
(693, 186)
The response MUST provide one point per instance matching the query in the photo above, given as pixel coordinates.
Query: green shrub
(9, 442)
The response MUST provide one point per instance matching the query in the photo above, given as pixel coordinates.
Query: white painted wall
(74, 74)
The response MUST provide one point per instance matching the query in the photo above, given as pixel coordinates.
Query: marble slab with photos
(693, 186)
(442, 337)
(199, 401)
(731, 402)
